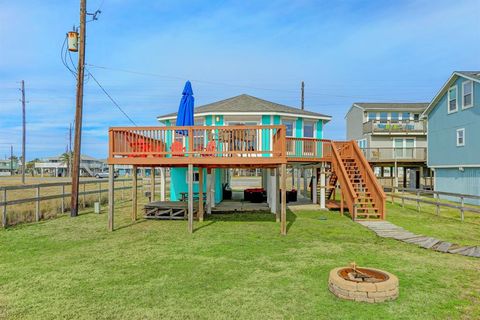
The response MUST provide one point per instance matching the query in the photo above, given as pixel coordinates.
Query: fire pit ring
(363, 284)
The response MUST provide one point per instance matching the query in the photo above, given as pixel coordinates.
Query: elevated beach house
(246, 110)
(454, 133)
(392, 136)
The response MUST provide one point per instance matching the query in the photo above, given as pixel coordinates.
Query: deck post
(190, 198)
(134, 193)
(274, 193)
(314, 186)
(341, 201)
(305, 184)
(209, 191)
(323, 185)
(283, 216)
(163, 182)
(200, 194)
(111, 199)
(152, 184)
(299, 178)
(268, 182)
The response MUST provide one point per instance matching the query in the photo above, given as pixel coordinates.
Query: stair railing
(349, 194)
(371, 181)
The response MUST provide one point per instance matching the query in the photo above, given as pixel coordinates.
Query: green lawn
(233, 266)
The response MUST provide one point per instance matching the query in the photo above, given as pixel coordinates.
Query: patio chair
(210, 149)
(177, 148)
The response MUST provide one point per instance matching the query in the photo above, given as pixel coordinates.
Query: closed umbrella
(185, 109)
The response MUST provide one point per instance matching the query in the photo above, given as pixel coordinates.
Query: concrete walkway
(386, 229)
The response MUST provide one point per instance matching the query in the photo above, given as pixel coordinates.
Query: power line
(111, 99)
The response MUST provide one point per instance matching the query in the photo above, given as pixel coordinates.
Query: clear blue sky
(345, 51)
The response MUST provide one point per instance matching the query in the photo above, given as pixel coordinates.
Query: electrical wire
(110, 97)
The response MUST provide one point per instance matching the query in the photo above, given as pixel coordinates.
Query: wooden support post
(209, 191)
(134, 193)
(462, 210)
(305, 184)
(403, 197)
(111, 197)
(323, 185)
(200, 195)
(277, 191)
(100, 191)
(163, 182)
(418, 201)
(314, 187)
(4, 211)
(341, 202)
(283, 216)
(37, 205)
(63, 198)
(152, 184)
(438, 204)
(190, 198)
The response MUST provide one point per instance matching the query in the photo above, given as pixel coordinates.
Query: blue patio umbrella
(185, 109)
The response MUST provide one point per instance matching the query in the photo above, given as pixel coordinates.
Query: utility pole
(69, 151)
(24, 132)
(303, 95)
(78, 111)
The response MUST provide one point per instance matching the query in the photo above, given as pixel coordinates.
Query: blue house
(245, 110)
(453, 134)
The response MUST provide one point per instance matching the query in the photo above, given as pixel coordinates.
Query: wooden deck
(168, 210)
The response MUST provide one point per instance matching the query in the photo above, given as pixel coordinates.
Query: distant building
(392, 134)
(55, 166)
(7, 166)
(453, 134)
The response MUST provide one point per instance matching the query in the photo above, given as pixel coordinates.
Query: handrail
(343, 177)
(370, 178)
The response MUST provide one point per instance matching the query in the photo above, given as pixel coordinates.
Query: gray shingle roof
(247, 103)
(471, 74)
(416, 106)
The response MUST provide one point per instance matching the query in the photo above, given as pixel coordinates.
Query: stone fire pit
(363, 284)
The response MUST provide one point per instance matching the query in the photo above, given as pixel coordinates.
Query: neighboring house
(392, 135)
(56, 167)
(7, 167)
(246, 110)
(454, 132)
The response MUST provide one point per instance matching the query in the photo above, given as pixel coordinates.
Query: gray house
(454, 130)
(392, 135)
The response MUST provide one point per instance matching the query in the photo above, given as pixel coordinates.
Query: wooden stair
(362, 195)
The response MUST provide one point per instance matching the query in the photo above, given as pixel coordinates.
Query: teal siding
(276, 120)
(298, 134)
(178, 183)
(454, 180)
(319, 135)
(266, 135)
(168, 143)
(208, 120)
(442, 146)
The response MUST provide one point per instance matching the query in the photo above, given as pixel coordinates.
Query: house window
(362, 143)
(196, 176)
(467, 89)
(452, 99)
(460, 137)
(404, 148)
(289, 125)
(405, 116)
(416, 117)
(372, 116)
(308, 129)
(383, 116)
(394, 116)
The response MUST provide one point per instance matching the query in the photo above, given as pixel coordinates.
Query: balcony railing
(373, 126)
(395, 154)
(206, 144)
(307, 148)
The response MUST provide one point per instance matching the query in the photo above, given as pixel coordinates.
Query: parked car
(104, 175)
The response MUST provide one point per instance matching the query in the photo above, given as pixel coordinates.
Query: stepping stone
(468, 253)
(416, 239)
(476, 253)
(429, 243)
(460, 250)
(443, 247)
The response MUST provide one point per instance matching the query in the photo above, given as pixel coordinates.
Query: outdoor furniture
(168, 210)
(227, 192)
(184, 196)
(292, 195)
(256, 195)
(177, 148)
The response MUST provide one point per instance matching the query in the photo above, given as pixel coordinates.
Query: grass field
(233, 266)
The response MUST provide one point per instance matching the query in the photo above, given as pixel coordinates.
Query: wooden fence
(62, 194)
(415, 196)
